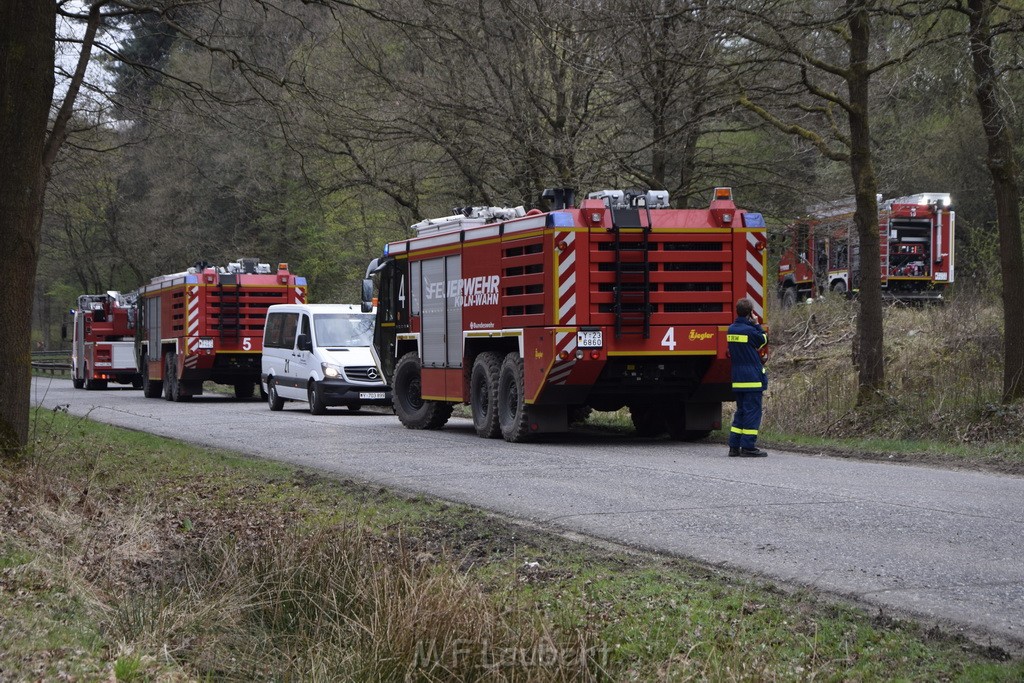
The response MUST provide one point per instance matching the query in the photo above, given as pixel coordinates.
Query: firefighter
(749, 380)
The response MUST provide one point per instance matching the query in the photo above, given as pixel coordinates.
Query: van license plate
(371, 394)
(589, 339)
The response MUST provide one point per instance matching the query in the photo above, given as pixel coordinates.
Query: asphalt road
(940, 544)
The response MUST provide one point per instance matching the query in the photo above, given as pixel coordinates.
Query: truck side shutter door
(433, 324)
(453, 332)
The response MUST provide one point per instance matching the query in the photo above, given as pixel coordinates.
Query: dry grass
(943, 374)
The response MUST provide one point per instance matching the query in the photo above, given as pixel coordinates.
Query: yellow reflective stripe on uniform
(739, 338)
(747, 432)
(765, 342)
(747, 385)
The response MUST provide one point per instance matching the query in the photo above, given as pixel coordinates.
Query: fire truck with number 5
(206, 324)
(533, 317)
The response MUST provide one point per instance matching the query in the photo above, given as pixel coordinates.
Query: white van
(322, 354)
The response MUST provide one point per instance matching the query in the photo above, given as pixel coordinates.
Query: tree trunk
(27, 29)
(1002, 164)
(870, 354)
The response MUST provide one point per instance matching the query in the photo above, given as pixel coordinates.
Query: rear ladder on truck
(632, 291)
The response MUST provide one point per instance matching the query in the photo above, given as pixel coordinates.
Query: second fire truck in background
(103, 341)
(916, 255)
(206, 324)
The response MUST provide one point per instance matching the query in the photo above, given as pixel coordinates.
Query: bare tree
(990, 24)
(811, 51)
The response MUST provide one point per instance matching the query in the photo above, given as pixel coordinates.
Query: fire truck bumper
(337, 392)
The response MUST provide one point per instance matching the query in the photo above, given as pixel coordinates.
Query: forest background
(314, 135)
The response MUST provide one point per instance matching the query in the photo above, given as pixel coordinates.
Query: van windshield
(343, 329)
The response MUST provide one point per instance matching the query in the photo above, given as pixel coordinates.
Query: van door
(301, 368)
(289, 330)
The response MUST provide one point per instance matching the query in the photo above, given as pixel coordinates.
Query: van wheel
(150, 388)
(512, 415)
(273, 400)
(317, 406)
(647, 420)
(244, 390)
(354, 407)
(483, 394)
(412, 410)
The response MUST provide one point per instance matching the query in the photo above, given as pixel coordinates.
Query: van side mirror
(367, 296)
(304, 343)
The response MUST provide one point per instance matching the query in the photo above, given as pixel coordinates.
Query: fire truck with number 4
(206, 324)
(533, 317)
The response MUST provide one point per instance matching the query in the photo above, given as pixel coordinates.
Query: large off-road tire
(483, 394)
(151, 388)
(412, 410)
(244, 390)
(172, 385)
(789, 297)
(839, 288)
(77, 383)
(273, 400)
(647, 420)
(512, 415)
(579, 414)
(675, 422)
(315, 395)
(137, 382)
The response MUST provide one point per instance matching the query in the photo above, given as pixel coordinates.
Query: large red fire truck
(822, 252)
(102, 341)
(206, 324)
(530, 317)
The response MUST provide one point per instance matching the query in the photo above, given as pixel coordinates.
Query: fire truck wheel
(839, 288)
(676, 432)
(245, 390)
(412, 410)
(93, 384)
(172, 385)
(647, 420)
(483, 394)
(273, 400)
(77, 383)
(789, 297)
(150, 388)
(316, 400)
(512, 415)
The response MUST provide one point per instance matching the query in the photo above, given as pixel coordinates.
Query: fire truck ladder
(230, 323)
(632, 292)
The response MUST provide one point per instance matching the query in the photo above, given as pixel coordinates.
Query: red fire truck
(206, 324)
(102, 342)
(916, 234)
(531, 317)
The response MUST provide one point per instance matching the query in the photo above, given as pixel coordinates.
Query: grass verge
(133, 557)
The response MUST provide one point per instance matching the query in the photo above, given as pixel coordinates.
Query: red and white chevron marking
(300, 295)
(565, 341)
(191, 326)
(755, 272)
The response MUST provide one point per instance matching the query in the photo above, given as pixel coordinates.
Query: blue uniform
(749, 380)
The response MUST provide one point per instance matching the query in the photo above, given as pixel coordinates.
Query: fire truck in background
(916, 235)
(533, 317)
(103, 341)
(206, 324)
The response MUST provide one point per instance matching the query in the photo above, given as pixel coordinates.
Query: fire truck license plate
(590, 339)
(371, 394)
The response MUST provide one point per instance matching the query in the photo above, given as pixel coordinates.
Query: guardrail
(51, 362)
